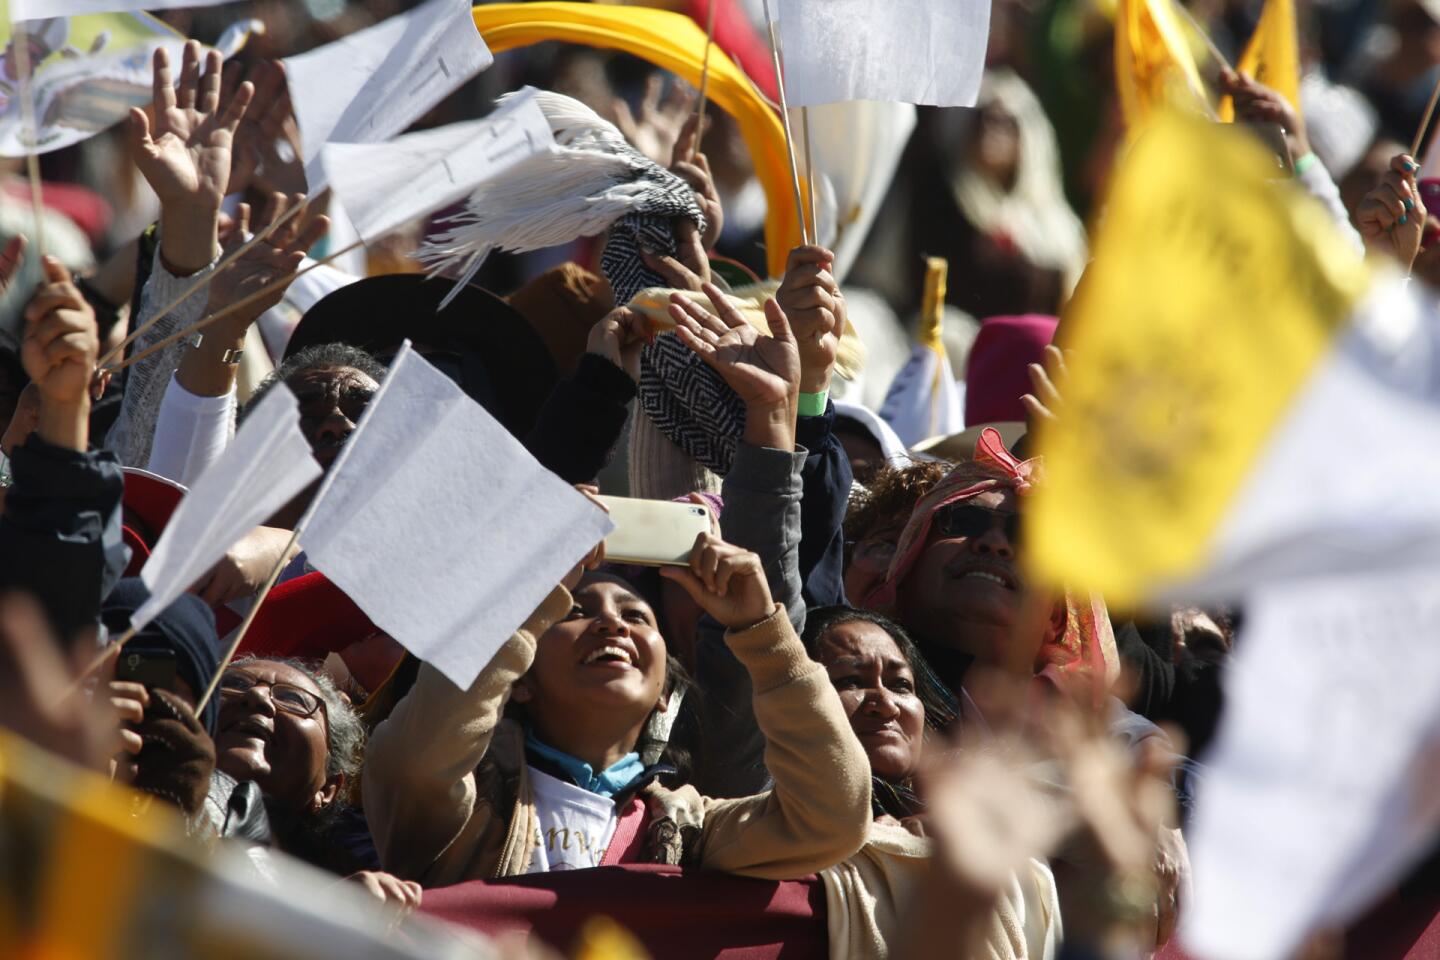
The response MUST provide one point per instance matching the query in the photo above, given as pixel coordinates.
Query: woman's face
(263, 735)
(606, 657)
(997, 145)
(877, 688)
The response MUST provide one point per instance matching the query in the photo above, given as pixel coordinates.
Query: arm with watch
(196, 419)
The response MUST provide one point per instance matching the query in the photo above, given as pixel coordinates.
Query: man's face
(331, 400)
(964, 589)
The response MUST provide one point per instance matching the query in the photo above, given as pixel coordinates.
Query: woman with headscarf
(894, 704)
(955, 581)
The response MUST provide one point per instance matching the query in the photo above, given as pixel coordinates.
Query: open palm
(186, 156)
(277, 256)
(763, 370)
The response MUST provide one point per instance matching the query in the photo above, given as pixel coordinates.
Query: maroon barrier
(680, 914)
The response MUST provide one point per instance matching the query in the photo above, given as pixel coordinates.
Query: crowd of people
(850, 693)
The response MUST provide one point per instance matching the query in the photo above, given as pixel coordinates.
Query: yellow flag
(1213, 294)
(1153, 63)
(1273, 55)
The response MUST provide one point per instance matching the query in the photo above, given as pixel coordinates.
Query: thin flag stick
(21, 47)
(785, 117)
(704, 80)
(1220, 58)
(254, 610)
(232, 308)
(810, 176)
(204, 281)
(1425, 122)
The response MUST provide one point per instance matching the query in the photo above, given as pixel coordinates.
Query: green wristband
(813, 404)
(1305, 163)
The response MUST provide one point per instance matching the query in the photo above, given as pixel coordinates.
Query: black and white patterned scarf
(687, 401)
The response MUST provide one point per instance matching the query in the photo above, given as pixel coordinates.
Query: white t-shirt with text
(575, 825)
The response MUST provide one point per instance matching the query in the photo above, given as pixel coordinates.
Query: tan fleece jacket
(431, 824)
(866, 898)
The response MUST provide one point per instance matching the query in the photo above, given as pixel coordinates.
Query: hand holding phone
(653, 533)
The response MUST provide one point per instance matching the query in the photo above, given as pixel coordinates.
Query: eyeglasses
(287, 697)
(968, 520)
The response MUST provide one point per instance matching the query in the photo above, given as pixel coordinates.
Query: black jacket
(60, 532)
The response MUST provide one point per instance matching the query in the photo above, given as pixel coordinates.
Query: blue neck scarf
(607, 783)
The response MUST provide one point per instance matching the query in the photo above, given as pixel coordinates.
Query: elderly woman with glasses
(288, 730)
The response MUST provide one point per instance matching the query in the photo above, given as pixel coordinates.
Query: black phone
(151, 668)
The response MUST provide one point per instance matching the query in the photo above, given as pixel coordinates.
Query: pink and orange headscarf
(1083, 648)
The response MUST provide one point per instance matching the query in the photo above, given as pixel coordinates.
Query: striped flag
(1244, 404)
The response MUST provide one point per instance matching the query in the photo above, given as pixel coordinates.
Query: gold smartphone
(653, 533)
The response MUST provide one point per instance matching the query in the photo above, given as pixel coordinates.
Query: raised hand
(61, 342)
(1391, 217)
(185, 157)
(258, 157)
(726, 581)
(184, 153)
(697, 173)
(276, 257)
(763, 370)
(811, 299)
(1257, 103)
(1047, 379)
(660, 122)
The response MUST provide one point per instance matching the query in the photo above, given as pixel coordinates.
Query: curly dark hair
(316, 357)
(890, 498)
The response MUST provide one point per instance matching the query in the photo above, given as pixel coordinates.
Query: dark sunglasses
(292, 699)
(968, 520)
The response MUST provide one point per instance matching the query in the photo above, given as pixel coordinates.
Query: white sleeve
(190, 433)
(1317, 182)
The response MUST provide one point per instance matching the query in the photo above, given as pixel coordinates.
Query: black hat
(493, 353)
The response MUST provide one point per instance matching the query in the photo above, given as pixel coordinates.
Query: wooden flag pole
(21, 46)
(785, 118)
(250, 615)
(1419, 140)
(810, 176)
(204, 281)
(231, 309)
(704, 80)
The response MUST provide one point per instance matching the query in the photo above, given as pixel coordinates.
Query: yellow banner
(1154, 67)
(1273, 55)
(1214, 291)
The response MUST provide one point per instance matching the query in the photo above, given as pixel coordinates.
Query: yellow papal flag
(1272, 56)
(1153, 63)
(1214, 295)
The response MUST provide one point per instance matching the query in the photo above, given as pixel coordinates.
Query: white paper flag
(1321, 787)
(37, 9)
(441, 526)
(371, 85)
(386, 185)
(910, 51)
(265, 466)
(924, 399)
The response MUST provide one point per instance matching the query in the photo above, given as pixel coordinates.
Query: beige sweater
(866, 897)
(435, 821)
